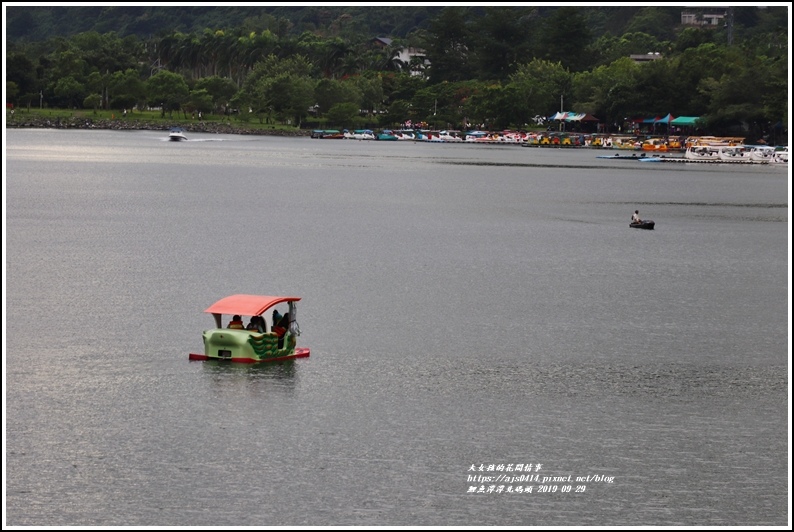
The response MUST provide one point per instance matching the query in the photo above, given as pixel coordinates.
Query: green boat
(386, 134)
(263, 340)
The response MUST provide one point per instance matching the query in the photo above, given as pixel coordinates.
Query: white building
(704, 16)
(415, 58)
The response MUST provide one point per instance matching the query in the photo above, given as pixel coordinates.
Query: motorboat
(645, 224)
(177, 134)
(265, 338)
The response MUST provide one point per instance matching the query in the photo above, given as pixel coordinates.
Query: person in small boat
(280, 326)
(635, 218)
(256, 324)
(236, 323)
(280, 323)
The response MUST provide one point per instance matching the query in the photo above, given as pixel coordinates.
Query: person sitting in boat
(256, 324)
(280, 326)
(635, 218)
(280, 323)
(236, 323)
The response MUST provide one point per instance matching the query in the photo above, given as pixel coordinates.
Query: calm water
(466, 306)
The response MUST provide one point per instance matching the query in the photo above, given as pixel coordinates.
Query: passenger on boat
(256, 324)
(236, 323)
(278, 323)
(280, 326)
(635, 218)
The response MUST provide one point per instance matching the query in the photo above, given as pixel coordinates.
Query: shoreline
(128, 124)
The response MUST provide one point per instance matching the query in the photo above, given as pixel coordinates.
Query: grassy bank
(80, 118)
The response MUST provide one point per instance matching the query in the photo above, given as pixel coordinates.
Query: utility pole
(729, 24)
(41, 100)
(562, 123)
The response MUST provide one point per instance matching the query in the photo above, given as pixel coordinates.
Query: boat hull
(240, 345)
(300, 352)
(647, 224)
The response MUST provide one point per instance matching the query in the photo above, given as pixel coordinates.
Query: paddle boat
(327, 134)
(450, 136)
(762, 154)
(655, 144)
(177, 134)
(386, 134)
(360, 134)
(702, 153)
(738, 153)
(262, 340)
(781, 156)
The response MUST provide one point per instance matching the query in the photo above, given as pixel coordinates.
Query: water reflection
(254, 379)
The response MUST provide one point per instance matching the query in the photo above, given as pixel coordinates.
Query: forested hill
(34, 23)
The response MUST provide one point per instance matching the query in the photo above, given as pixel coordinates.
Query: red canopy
(247, 305)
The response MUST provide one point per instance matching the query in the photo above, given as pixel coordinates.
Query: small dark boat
(645, 224)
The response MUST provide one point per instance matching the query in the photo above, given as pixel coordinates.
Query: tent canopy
(582, 117)
(573, 117)
(666, 120)
(560, 115)
(685, 121)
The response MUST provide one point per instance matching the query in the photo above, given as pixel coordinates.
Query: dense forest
(502, 67)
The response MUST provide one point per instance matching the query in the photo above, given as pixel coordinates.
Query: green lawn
(171, 119)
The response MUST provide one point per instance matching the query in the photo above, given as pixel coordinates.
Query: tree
(292, 96)
(370, 89)
(92, 101)
(221, 90)
(448, 46)
(398, 112)
(608, 91)
(739, 100)
(12, 90)
(502, 41)
(538, 85)
(21, 71)
(126, 89)
(199, 100)
(607, 48)
(69, 93)
(565, 38)
(329, 92)
(168, 90)
(657, 21)
(342, 114)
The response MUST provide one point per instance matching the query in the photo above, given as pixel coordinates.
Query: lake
(491, 344)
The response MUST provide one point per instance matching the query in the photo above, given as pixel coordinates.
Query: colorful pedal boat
(274, 343)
